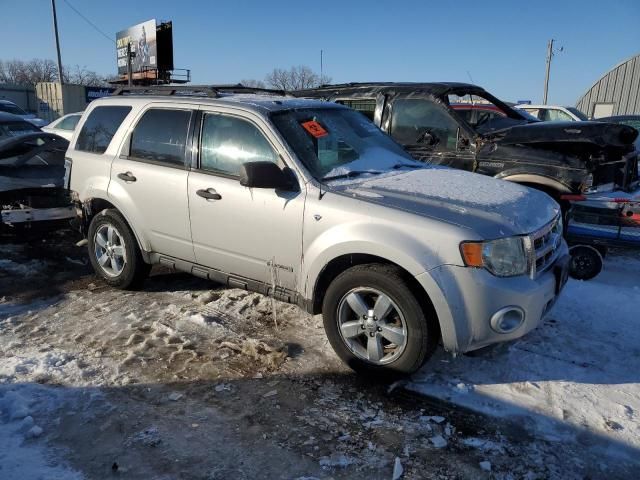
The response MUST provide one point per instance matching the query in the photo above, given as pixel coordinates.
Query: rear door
(254, 233)
(149, 178)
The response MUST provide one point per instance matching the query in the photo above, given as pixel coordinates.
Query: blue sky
(499, 44)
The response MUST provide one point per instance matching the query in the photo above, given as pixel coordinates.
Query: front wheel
(114, 252)
(376, 324)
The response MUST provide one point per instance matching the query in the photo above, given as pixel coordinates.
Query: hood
(596, 135)
(492, 208)
(38, 122)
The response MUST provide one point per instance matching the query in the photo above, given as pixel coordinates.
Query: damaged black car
(465, 127)
(32, 178)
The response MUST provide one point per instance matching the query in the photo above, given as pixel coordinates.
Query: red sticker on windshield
(315, 129)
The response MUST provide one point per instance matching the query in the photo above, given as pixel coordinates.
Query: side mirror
(265, 175)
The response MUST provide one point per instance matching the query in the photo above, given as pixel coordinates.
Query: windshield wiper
(353, 173)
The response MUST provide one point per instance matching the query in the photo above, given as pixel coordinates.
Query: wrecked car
(32, 170)
(312, 204)
(558, 158)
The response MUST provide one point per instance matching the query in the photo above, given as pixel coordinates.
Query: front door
(253, 233)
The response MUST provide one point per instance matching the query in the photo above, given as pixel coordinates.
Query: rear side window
(69, 123)
(100, 127)
(367, 106)
(160, 136)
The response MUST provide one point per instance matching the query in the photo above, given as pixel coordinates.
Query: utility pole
(55, 31)
(550, 54)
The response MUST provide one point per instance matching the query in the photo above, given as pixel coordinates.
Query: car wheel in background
(586, 262)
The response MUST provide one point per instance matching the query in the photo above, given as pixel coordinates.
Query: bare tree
(45, 70)
(250, 82)
(296, 78)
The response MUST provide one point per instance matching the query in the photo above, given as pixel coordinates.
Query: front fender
(381, 241)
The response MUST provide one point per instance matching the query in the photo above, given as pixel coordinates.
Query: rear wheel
(586, 262)
(114, 252)
(375, 322)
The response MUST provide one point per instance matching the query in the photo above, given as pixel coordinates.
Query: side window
(100, 127)
(228, 142)
(160, 136)
(419, 121)
(535, 112)
(366, 106)
(69, 123)
(557, 116)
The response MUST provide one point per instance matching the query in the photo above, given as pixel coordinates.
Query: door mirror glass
(266, 175)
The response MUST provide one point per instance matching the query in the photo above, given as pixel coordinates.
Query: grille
(546, 243)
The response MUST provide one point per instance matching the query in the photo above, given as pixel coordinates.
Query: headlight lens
(504, 257)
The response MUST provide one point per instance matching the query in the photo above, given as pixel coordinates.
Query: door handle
(127, 177)
(209, 194)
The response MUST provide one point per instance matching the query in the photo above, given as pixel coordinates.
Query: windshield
(577, 113)
(337, 143)
(15, 129)
(11, 108)
(483, 115)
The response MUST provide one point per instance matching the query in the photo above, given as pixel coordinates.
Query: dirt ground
(185, 379)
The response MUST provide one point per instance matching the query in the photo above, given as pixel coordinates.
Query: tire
(121, 264)
(408, 313)
(586, 262)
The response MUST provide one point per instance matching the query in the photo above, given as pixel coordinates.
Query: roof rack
(214, 91)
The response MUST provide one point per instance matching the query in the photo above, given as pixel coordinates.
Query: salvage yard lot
(185, 379)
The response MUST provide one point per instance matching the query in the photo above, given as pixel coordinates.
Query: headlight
(505, 257)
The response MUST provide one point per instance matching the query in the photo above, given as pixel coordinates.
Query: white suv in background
(311, 203)
(554, 113)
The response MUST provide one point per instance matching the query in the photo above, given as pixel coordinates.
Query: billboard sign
(142, 38)
(91, 93)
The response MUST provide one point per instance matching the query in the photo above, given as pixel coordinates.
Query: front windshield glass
(16, 129)
(10, 108)
(337, 143)
(487, 117)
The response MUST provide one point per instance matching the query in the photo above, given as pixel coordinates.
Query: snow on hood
(492, 207)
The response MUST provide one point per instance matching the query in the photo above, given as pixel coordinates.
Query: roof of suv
(258, 99)
(434, 88)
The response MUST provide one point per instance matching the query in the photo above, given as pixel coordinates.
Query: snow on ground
(185, 379)
(574, 379)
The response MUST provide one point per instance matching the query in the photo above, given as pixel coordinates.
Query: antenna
(321, 68)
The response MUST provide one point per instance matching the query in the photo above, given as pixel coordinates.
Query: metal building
(616, 93)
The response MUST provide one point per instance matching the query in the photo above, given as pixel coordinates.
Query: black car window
(160, 136)
(11, 108)
(15, 129)
(100, 127)
(69, 123)
(365, 106)
(228, 142)
(420, 121)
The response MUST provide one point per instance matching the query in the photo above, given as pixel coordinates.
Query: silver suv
(311, 203)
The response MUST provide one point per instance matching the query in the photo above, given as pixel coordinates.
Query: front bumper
(469, 298)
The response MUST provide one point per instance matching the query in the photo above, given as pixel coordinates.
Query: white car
(10, 107)
(64, 126)
(554, 113)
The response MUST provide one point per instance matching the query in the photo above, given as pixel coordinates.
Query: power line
(95, 27)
